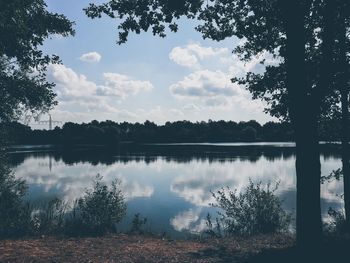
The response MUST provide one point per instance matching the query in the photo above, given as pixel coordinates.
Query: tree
(343, 87)
(271, 85)
(14, 216)
(279, 27)
(248, 134)
(24, 25)
(290, 91)
(24, 90)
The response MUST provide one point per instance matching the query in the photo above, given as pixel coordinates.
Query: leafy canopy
(260, 24)
(24, 26)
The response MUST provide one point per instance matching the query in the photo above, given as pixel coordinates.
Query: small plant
(96, 213)
(337, 223)
(101, 208)
(137, 223)
(50, 218)
(14, 213)
(211, 230)
(257, 210)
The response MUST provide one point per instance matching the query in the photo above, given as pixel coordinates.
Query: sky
(180, 77)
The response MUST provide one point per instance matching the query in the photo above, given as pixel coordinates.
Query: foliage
(249, 134)
(213, 231)
(334, 175)
(303, 34)
(100, 208)
(14, 213)
(256, 210)
(337, 223)
(24, 26)
(111, 133)
(50, 217)
(95, 213)
(137, 223)
(140, 15)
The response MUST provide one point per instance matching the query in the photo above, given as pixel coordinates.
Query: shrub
(213, 231)
(256, 210)
(99, 209)
(96, 213)
(137, 224)
(337, 223)
(50, 217)
(14, 213)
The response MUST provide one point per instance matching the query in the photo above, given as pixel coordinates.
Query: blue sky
(180, 77)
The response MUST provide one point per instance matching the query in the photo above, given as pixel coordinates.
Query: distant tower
(50, 122)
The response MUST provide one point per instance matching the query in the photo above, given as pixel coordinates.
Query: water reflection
(170, 185)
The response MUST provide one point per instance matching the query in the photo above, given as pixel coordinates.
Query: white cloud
(192, 55)
(209, 84)
(183, 57)
(91, 57)
(210, 89)
(207, 52)
(71, 85)
(83, 100)
(206, 92)
(122, 86)
(204, 83)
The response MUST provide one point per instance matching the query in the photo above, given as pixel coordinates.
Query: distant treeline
(111, 133)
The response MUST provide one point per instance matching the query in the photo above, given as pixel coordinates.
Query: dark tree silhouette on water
(279, 27)
(112, 134)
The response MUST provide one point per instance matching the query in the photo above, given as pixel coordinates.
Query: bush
(14, 213)
(50, 217)
(96, 213)
(99, 210)
(257, 210)
(137, 224)
(337, 224)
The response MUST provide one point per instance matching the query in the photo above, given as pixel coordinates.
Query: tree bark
(345, 154)
(304, 119)
(344, 93)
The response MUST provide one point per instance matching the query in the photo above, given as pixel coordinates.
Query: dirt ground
(132, 248)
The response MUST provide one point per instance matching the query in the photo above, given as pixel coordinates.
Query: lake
(169, 184)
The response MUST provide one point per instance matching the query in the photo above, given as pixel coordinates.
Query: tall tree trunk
(304, 120)
(344, 93)
(345, 154)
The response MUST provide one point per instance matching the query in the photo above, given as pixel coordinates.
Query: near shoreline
(135, 248)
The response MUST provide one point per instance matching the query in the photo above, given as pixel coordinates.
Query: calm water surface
(169, 184)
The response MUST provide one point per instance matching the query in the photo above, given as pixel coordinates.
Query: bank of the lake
(120, 248)
(134, 249)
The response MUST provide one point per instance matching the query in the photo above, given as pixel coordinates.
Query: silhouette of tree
(282, 28)
(322, 57)
(342, 85)
(112, 134)
(24, 25)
